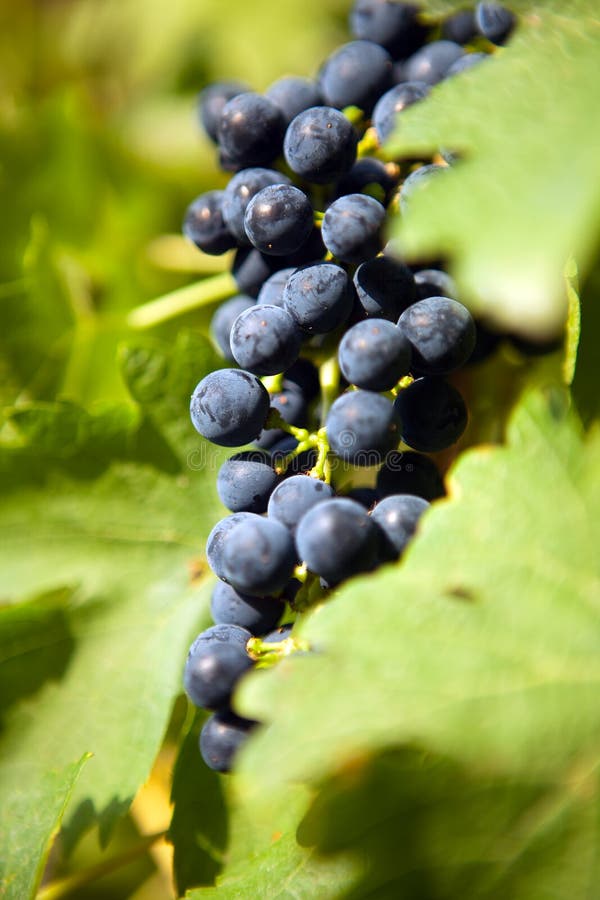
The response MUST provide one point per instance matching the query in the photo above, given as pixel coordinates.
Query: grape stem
(267, 654)
(183, 300)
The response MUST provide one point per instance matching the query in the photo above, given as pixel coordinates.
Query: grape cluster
(336, 351)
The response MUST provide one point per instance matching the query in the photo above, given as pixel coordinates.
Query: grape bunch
(338, 356)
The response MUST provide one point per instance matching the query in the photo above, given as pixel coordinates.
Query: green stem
(329, 378)
(276, 420)
(273, 383)
(268, 654)
(64, 886)
(183, 300)
(368, 144)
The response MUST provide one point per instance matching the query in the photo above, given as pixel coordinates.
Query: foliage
(441, 738)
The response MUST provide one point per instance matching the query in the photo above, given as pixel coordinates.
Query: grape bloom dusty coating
(343, 359)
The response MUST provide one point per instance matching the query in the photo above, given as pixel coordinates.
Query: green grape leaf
(30, 817)
(265, 859)
(103, 581)
(526, 195)
(481, 647)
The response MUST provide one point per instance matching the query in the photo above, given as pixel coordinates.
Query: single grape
(278, 219)
(433, 414)
(250, 131)
(366, 496)
(393, 102)
(259, 557)
(220, 634)
(295, 496)
(466, 62)
(319, 296)
(204, 224)
(441, 333)
(229, 407)
(337, 539)
(239, 192)
(271, 291)
(356, 74)
(432, 61)
(418, 181)
(246, 480)
(212, 100)
(351, 227)
(211, 672)
(459, 27)
(494, 22)
(398, 516)
(221, 737)
(385, 287)
(293, 95)
(257, 614)
(393, 25)
(223, 319)
(369, 176)
(290, 403)
(406, 472)
(374, 355)
(252, 268)
(305, 376)
(320, 144)
(362, 427)
(216, 540)
(434, 283)
(265, 340)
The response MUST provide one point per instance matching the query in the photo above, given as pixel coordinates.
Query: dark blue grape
(305, 376)
(204, 224)
(259, 557)
(320, 296)
(466, 62)
(441, 333)
(495, 22)
(459, 27)
(434, 283)
(265, 340)
(337, 539)
(433, 414)
(239, 192)
(393, 102)
(362, 427)
(351, 227)
(293, 95)
(295, 496)
(385, 287)
(320, 144)
(486, 342)
(278, 219)
(418, 181)
(393, 25)
(431, 62)
(356, 74)
(280, 634)
(252, 268)
(221, 737)
(220, 634)
(369, 176)
(405, 472)
(398, 516)
(212, 100)
(212, 670)
(374, 355)
(223, 319)
(229, 407)
(256, 614)
(216, 540)
(250, 131)
(366, 496)
(246, 480)
(290, 403)
(272, 290)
